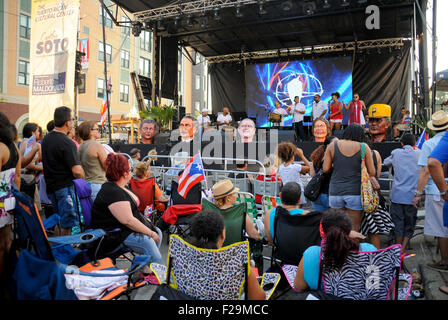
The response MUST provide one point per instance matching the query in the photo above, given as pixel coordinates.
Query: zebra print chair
(366, 275)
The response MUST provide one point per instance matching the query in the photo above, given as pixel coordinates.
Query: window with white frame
(124, 61)
(124, 93)
(145, 40)
(197, 105)
(23, 74)
(144, 67)
(126, 28)
(100, 88)
(198, 82)
(25, 22)
(108, 20)
(101, 52)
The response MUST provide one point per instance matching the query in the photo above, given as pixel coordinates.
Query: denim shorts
(64, 204)
(321, 203)
(349, 202)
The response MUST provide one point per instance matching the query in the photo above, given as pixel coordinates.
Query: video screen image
(282, 81)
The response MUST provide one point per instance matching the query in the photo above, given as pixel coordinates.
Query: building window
(124, 93)
(198, 82)
(100, 88)
(197, 58)
(108, 20)
(126, 28)
(23, 75)
(25, 30)
(124, 59)
(197, 105)
(101, 52)
(145, 40)
(144, 67)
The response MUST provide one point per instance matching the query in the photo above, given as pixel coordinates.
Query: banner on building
(52, 57)
(83, 46)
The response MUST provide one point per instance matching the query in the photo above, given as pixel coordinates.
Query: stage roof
(277, 28)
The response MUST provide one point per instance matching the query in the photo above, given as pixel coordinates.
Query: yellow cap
(379, 111)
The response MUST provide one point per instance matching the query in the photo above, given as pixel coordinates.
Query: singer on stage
(298, 109)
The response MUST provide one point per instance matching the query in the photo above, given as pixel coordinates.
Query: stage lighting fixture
(261, 10)
(190, 20)
(345, 3)
(326, 5)
(136, 28)
(238, 12)
(309, 7)
(177, 22)
(216, 15)
(362, 1)
(286, 5)
(160, 25)
(203, 20)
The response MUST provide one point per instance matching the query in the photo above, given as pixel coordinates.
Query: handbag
(369, 197)
(312, 189)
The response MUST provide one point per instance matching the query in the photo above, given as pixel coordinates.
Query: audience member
(61, 166)
(142, 173)
(92, 156)
(148, 129)
(405, 164)
(336, 229)
(344, 158)
(268, 170)
(135, 155)
(10, 165)
(116, 207)
(288, 170)
(317, 159)
(321, 129)
(209, 232)
(50, 126)
(434, 225)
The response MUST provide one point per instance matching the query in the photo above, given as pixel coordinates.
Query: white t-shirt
(297, 117)
(223, 118)
(282, 112)
(292, 173)
(318, 108)
(203, 121)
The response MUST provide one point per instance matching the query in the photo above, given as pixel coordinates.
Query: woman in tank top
(344, 158)
(10, 165)
(92, 156)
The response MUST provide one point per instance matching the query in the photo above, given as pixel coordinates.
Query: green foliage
(421, 122)
(162, 114)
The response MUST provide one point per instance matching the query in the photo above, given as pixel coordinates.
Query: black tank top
(13, 157)
(346, 177)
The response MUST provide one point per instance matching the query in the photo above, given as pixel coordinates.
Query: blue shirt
(427, 148)
(406, 170)
(311, 258)
(292, 212)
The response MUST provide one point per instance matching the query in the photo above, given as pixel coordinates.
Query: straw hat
(153, 153)
(439, 121)
(223, 188)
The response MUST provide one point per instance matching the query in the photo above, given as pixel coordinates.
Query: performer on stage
(224, 118)
(319, 107)
(335, 112)
(356, 108)
(204, 119)
(298, 110)
(282, 112)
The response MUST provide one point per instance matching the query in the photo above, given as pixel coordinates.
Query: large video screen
(282, 81)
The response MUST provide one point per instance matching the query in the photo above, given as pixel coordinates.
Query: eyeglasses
(93, 129)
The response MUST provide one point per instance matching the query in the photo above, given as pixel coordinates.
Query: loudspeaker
(162, 138)
(181, 112)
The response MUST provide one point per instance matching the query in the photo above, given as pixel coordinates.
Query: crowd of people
(44, 167)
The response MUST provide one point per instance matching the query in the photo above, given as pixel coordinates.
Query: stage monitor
(282, 81)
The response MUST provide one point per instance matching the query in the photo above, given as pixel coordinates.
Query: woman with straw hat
(224, 197)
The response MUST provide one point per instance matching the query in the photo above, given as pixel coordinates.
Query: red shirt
(260, 177)
(334, 107)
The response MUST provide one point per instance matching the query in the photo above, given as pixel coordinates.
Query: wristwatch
(418, 193)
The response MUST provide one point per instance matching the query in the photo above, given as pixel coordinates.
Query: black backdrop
(377, 77)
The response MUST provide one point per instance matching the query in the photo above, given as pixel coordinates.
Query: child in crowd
(142, 173)
(406, 171)
(288, 170)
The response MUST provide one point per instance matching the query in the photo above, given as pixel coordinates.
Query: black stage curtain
(383, 78)
(228, 87)
(169, 52)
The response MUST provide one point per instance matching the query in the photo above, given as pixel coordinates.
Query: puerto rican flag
(191, 176)
(104, 106)
(421, 140)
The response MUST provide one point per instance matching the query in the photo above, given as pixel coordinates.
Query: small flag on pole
(103, 109)
(192, 175)
(421, 140)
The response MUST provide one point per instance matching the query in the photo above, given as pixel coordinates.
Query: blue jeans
(145, 245)
(64, 204)
(321, 203)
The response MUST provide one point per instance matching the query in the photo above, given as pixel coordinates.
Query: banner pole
(105, 71)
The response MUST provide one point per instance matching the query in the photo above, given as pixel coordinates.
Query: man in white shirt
(282, 112)
(224, 118)
(319, 107)
(298, 110)
(204, 119)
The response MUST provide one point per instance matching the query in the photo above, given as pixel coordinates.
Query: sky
(442, 35)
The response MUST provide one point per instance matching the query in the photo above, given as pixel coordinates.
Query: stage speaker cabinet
(286, 136)
(162, 138)
(181, 112)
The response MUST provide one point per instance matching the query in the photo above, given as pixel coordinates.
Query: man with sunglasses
(61, 166)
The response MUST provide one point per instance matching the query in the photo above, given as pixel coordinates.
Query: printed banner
(52, 57)
(84, 47)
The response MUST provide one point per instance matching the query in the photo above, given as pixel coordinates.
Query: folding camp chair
(366, 275)
(145, 191)
(201, 273)
(39, 269)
